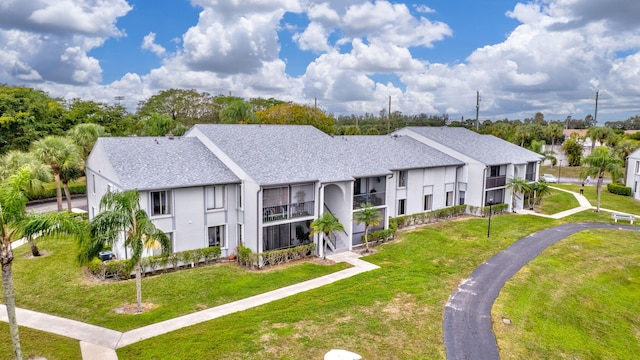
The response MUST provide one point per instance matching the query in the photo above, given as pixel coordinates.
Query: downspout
(320, 207)
(484, 186)
(260, 215)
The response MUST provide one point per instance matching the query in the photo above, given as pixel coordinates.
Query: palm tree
(67, 175)
(600, 160)
(85, 136)
(367, 215)
(11, 163)
(517, 186)
(16, 223)
(59, 153)
(326, 224)
(602, 134)
(540, 189)
(121, 210)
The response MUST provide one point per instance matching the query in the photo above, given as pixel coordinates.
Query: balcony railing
(375, 199)
(287, 211)
(496, 181)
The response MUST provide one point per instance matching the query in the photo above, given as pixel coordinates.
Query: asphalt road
(467, 327)
(79, 202)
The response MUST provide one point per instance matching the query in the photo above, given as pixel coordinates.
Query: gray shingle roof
(146, 163)
(487, 149)
(394, 152)
(279, 154)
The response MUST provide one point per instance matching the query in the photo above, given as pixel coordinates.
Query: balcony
(495, 181)
(376, 199)
(287, 211)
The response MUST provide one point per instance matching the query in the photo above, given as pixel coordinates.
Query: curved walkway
(467, 326)
(98, 343)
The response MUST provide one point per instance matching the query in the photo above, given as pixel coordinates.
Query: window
(239, 190)
(637, 168)
(449, 196)
(286, 235)
(402, 178)
(461, 199)
(401, 206)
(215, 197)
(93, 182)
(158, 250)
(216, 236)
(160, 203)
(428, 202)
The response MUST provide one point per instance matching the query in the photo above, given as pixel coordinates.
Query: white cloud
(149, 43)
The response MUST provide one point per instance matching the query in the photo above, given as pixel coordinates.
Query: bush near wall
(249, 259)
(619, 189)
(429, 216)
(122, 269)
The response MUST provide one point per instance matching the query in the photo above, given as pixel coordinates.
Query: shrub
(619, 189)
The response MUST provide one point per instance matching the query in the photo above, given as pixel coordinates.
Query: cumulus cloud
(47, 40)
(548, 62)
(149, 43)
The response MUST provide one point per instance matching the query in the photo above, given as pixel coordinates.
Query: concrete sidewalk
(97, 343)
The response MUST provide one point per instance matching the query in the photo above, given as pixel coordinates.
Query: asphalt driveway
(467, 327)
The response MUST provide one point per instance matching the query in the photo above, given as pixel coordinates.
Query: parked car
(548, 178)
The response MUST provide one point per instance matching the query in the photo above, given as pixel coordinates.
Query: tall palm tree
(601, 160)
(85, 136)
(15, 223)
(121, 210)
(326, 224)
(59, 153)
(369, 216)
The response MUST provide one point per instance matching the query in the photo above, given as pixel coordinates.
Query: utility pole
(389, 117)
(315, 102)
(595, 115)
(119, 98)
(477, 109)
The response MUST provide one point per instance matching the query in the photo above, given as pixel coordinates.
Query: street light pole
(489, 227)
(559, 168)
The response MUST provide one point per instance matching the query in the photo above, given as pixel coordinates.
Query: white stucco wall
(633, 174)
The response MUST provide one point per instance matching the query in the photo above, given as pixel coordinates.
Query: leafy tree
(294, 114)
(59, 153)
(554, 132)
(238, 112)
(573, 149)
(326, 224)
(601, 160)
(118, 211)
(85, 136)
(15, 223)
(184, 106)
(369, 216)
(157, 125)
(27, 115)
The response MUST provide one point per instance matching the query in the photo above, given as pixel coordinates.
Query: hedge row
(429, 216)
(619, 189)
(252, 260)
(74, 189)
(122, 269)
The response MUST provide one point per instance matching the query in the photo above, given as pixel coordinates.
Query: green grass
(607, 199)
(556, 202)
(54, 284)
(391, 313)
(593, 316)
(568, 171)
(36, 343)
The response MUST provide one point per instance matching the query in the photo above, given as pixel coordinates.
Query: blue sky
(548, 56)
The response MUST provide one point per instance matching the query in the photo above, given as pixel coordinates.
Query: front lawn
(54, 284)
(580, 299)
(557, 201)
(390, 313)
